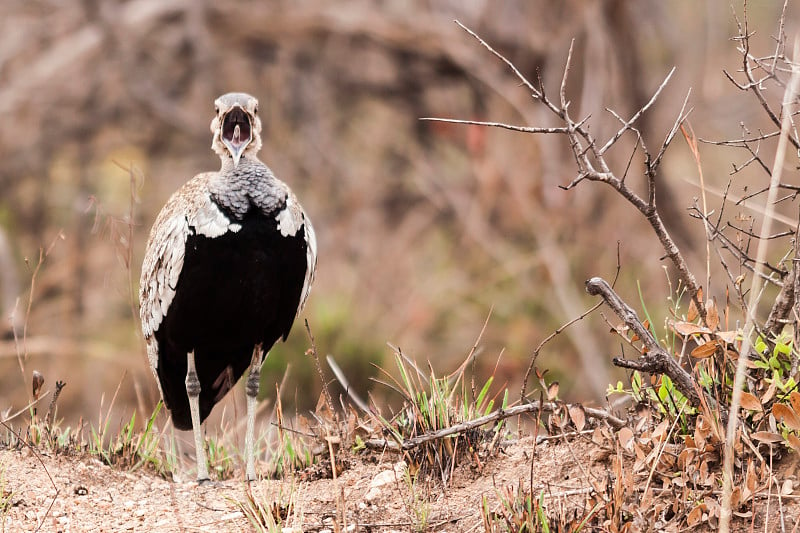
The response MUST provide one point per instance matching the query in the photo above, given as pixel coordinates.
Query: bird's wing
(291, 219)
(311, 261)
(189, 211)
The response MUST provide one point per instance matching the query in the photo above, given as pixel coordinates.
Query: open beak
(237, 132)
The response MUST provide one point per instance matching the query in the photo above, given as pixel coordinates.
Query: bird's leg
(251, 389)
(193, 391)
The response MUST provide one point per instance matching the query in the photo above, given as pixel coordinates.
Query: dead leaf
(552, 391)
(727, 336)
(771, 390)
(736, 497)
(793, 441)
(692, 315)
(578, 416)
(563, 417)
(705, 350)
(686, 456)
(37, 380)
(787, 487)
(783, 413)
(751, 479)
(750, 402)
(620, 329)
(625, 435)
(703, 471)
(712, 314)
(767, 436)
(660, 431)
(688, 328)
(794, 399)
(695, 516)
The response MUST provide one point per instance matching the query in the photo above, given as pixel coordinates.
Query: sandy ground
(58, 493)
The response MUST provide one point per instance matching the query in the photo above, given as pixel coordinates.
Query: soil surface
(59, 493)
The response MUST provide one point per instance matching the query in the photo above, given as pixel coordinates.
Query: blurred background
(426, 230)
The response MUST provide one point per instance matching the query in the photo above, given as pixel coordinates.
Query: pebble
(384, 478)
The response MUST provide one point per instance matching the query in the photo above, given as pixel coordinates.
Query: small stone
(384, 478)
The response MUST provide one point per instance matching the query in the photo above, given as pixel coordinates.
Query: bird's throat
(236, 133)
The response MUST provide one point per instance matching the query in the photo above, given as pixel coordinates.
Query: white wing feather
(188, 211)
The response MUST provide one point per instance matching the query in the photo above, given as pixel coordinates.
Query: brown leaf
(692, 315)
(620, 329)
(793, 442)
(705, 350)
(751, 479)
(712, 314)
(767, 436)
(37, 381)
(750, 402)
(783, 413)
(771, 390)
(695, 516)
(794, 399)
(727, 336)
(578, 416)
(660, 431)
(736, 497)
(686, 457)
(688, 328)
(704, 473)
(552, 391)
(625, 435)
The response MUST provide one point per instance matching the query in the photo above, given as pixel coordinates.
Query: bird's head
(236, 126)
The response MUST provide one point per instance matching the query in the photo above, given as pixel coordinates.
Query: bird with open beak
(234, 126)
(228, 266)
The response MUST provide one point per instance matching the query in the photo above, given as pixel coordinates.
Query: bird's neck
(248, 185)
(248, 164)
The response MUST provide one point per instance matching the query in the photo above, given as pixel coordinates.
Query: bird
(228, 266)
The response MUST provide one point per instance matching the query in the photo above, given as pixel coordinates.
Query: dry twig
(655, 360)
(494, 416)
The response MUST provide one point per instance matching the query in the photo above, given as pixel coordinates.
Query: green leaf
(760, 345)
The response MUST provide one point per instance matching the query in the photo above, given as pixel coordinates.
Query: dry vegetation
(461, 242)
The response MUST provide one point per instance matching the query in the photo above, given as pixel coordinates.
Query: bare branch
(494, 416)
(682, 116)
(536, 93)
(627, 125)
(523, 129)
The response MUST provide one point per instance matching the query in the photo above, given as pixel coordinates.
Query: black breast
(234, 291)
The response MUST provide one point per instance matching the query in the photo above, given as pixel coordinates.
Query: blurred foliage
(424, 229)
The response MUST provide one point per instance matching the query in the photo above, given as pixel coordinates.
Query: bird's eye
(255, 112)
(216, 109)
